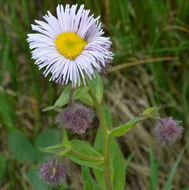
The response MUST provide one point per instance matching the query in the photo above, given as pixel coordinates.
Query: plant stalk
(71, 97)
(106, 139)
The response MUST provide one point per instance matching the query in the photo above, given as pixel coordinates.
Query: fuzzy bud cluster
(77, 118)
(52, 172)
(168, 131)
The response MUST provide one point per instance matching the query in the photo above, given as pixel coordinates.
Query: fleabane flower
(168, 130)
(76, 118)
(69, 45)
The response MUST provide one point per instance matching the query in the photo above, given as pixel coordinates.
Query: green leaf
(173, 170)
(21, 148)
(52, 149)
(118, 131)
(43, 143)
(83, 147)
(45, 139)
(78, 151)
(35, 181)
(118, 170)
(49, 108)
(83, 153)
(150, 111)
(86, 99)
(117, 161)
(118, 176)
(66, 140)
(97, 86)
(99, 141)
(153, 171)
(64, 97)
(62, 187)
(3, 167)
(88, 181)
(6, 111)
(99, 146)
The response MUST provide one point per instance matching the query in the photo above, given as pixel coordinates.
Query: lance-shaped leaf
(152, 111)
(99, 146)
(64, 97)
(83, 153)
(78, 151)
(52, 149)
(97, 86)
(88, 181)
(118, 131)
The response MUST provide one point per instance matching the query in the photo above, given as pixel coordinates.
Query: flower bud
(52, 172)
(77, 118)
(168, 131)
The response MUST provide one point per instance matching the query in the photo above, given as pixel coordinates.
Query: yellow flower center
(69, 44)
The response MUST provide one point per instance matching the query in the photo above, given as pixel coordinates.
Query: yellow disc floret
(69, 44)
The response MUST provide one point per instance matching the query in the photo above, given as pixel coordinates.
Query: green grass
(139, 30)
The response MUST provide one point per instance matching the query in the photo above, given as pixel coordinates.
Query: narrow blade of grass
(153, 170)
(173, 171)
(127, 162)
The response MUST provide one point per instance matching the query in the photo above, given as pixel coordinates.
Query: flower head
(52, 172)
(69, 45)
(168, 131)
(77, 118)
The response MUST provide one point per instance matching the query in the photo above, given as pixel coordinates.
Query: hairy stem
(71, 97)
(106, 140)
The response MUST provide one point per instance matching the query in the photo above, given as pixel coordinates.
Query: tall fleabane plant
(71, 47)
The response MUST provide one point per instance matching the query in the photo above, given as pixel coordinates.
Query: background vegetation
(151, 42)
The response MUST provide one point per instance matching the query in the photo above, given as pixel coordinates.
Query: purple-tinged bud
(77, 118)
(168, 131)
(52, 172)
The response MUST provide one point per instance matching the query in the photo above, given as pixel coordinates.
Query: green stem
(106, 139)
